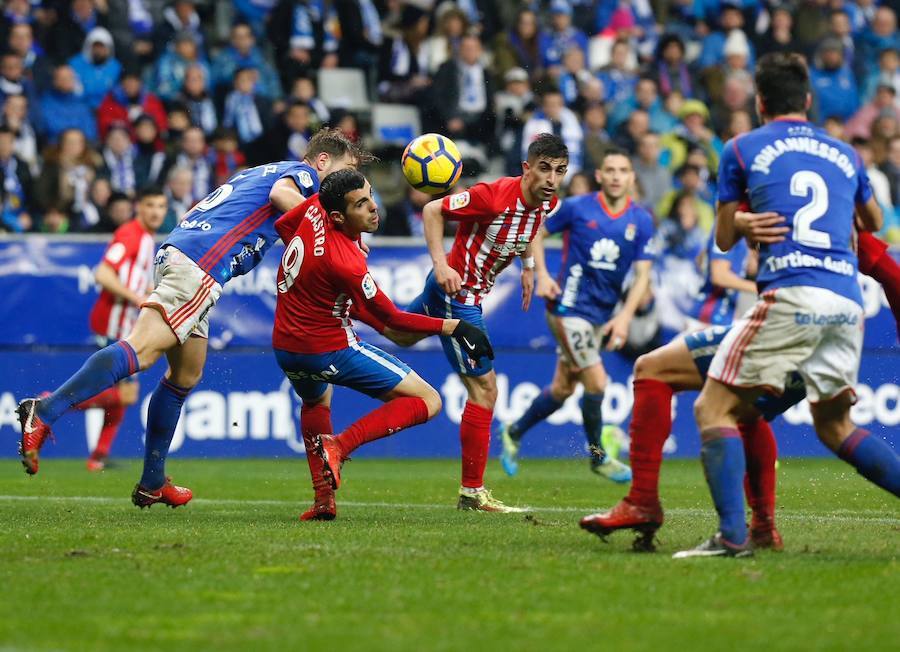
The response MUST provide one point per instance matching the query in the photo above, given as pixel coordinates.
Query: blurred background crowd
(102, 97)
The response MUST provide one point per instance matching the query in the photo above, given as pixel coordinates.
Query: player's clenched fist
(448, 278)
(473, 341)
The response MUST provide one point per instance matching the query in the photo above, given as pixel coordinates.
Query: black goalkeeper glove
(473, 341)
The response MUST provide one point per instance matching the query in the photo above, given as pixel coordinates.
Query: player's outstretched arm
(433, 222)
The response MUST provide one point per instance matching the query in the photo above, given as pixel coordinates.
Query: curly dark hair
(334, 188)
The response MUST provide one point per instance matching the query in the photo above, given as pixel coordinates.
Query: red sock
(106, 399)
(475, 437)
(874, 262)
(761, 452)
(112, 419)
(315, 420)
(393, 416)
(651, 423)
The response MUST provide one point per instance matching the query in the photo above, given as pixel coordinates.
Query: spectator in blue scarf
(247, 113)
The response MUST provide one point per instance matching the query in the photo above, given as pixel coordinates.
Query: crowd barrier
(244, 407)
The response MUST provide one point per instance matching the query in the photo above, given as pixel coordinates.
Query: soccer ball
(431, 163)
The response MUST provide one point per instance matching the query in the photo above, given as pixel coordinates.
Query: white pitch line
(692, 512)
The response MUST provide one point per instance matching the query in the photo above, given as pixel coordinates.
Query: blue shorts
(434, 302)
(703, 345)
(362, 367)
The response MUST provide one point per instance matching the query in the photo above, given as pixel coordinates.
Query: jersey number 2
(802, 184)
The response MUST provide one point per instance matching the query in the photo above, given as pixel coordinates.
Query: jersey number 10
(801, 185)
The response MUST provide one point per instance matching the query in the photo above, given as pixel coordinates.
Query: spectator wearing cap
(150, 160)
(553, 117)
(736, 55)
(173, 64)
(126, 102)
(96, 66)
(403, 69)
(671, 71)
(832, 81)
(464, 89)
(62, 107)
(619, 80)
(888, 72)
(885, 101)
(180, 17)
(65, 37)
(562, 36)
(16, 192)
(248, 113)
(779, 37)
(646, 97)
(655, 178)
(194, 96)
(118, 160)
(712, 50)
(522, 45)
(692, 131)
(452, 24)
(243, 53)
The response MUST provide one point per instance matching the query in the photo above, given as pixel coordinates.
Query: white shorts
(184, 294)
(578, 340)
(811, 330)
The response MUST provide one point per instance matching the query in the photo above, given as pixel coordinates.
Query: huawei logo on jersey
(604, 254)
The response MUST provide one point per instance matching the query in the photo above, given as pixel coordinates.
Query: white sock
(471, 491)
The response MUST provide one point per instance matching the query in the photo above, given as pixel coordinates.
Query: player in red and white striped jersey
(126, 277)
(498, 221)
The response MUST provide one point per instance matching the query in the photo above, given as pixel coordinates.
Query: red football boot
(766, 536)
(169, 494)
(34, 433)
(323, 509)
(329, 450)
(627, 515)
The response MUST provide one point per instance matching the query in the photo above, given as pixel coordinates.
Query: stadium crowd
(103, 97)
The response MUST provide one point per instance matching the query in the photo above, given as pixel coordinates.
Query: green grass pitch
(401, 569)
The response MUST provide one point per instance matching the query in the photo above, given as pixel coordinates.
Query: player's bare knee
(433, 402)
(645, 367)
(483, 391)
(561, 390)
(186, 378)
(128, 393)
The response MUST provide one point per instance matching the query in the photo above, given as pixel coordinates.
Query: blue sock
(162, 417)
(722, 454)
(592, 417)
(101, 371)
(873, 458)
(541, 407)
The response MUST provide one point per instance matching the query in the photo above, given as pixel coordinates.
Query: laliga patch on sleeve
(368, 286)
(305, 179)
(459, 201)
(115, 253)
